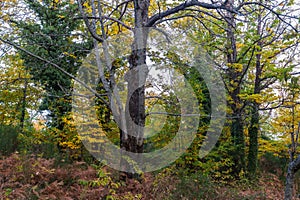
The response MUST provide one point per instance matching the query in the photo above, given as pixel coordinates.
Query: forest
(149, 99)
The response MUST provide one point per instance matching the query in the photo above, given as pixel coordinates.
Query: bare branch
(279, 15)
(87, 23)
(56, 66)
(173, 114)
(109, 18)
(125, 3)
(182, 7)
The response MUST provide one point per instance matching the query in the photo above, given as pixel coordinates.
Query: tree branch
(181, 7)
(109, 18)
(279, 16)
(296, 164)
(56, 66)
(87, 23)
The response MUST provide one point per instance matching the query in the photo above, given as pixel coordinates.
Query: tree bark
(253, 142)
(237, 133)
(132, 141)
(237, 127)
(23, 111)
(293, 167)
(254, 126)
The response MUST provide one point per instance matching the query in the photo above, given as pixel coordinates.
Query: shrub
(194, 186)
(8, 139)
(36, 142)
(273, 164)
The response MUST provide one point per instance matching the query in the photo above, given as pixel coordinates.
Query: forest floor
(30, 177)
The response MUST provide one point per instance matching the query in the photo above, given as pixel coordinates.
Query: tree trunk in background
(253, 142)
(293, 167)
(254, 125)
(23, 112)
(237, 133)
(237, 127)
(294, 164)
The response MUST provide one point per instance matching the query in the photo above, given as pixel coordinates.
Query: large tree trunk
(132, 141)
(254, 126)
(234, 91)
(238, 139)
(293, 167)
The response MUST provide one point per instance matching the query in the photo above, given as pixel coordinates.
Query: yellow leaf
(61, 16)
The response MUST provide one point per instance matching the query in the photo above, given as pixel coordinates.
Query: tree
(51, 35)
(288, 121)
(96, 18)
(253, 54)
(19, 95)
(273, 41)
(132, 137)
